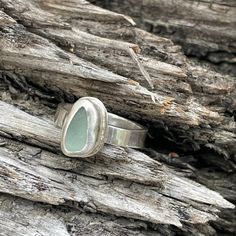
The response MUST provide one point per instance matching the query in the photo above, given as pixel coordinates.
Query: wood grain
(53, 51)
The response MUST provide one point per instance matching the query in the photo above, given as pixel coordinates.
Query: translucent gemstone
(76, 134)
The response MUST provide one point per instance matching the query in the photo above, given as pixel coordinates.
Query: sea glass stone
(77, 132)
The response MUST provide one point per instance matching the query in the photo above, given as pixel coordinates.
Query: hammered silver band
(121, 131)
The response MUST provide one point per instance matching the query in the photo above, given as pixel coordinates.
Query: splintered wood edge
(47, 172)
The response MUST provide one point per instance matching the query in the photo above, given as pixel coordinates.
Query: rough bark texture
(205, 28)
(53, 51)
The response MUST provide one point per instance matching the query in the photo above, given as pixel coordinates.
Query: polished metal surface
(103, 127)
(125, 133)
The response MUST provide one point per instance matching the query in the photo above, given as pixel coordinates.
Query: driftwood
(53, 51)
(205, 28)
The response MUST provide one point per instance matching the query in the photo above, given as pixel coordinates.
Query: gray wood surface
(53, 51)
(205, 28)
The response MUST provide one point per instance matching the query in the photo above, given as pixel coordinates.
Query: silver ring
(87, 126)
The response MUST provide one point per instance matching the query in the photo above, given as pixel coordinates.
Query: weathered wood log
(205, 29)
(112, 182)
(112, 162)
(28, 218)
(53, 51)
(183, 96)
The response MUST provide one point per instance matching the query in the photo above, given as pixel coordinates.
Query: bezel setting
(97, 129)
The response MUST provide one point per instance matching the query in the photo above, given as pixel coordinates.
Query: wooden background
(54, 51)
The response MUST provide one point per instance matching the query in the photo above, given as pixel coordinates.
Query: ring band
(87, 125)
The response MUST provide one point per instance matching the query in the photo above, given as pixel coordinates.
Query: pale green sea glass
(76, 135)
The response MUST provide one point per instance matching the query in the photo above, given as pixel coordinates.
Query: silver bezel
(97, 120)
